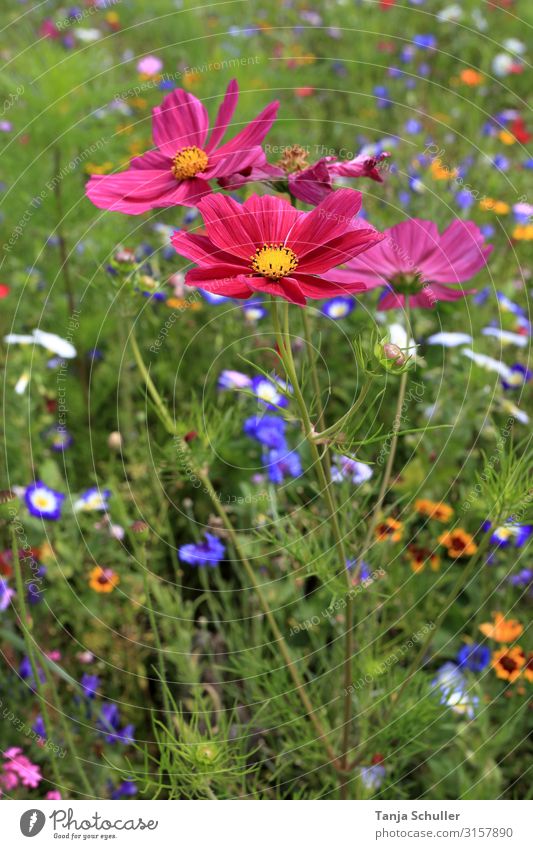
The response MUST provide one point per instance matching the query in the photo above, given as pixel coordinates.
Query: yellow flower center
(274, 261)
(189, 162)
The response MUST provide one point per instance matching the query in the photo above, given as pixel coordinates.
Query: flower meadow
(266, 505)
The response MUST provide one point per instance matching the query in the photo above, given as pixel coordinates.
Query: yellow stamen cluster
(189, 162)
(294, 158)
(274, 261)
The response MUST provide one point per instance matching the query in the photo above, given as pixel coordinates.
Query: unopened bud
(114, 440)
(394, 353)
(140, 529)
(9, 504)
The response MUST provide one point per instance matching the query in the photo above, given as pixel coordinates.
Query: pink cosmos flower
(414, 261)
(179, 170)
(266, 245)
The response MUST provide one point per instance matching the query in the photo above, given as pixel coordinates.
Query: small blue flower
(26, 672)
(373, 776)
(92, 499)
(425, 42)
(38, 726)
(43, 502)
(208, 553)
(211, 298)
(253, 311)
(473, 657)
(346, 468)
(6, 594)
(124, 789)
(281, 463)
(508, 533)
(109, 724)
(464, 199)
(268, 392)
(90, 684)
(412, 126)
(58, 438)
(520, 375)
(268, 430)
(338, 307)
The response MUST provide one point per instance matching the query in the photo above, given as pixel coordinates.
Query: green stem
(204, 478)
(284, 345)
(155, 631)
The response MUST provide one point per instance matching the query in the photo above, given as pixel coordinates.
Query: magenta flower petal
(224, 115)
(318, 287)
(330, 219)
(199, 249)
(180, 121)
(152, 160)
(288, 288)
(133, 191)
(219, 282)
(340, 250)
(254, 133)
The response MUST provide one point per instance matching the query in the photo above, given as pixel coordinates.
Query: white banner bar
(264, 825)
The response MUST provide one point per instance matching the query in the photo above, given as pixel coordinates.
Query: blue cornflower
(501, 162)
(338, 307)
(109, 724)
(26, 672)
(43, 502)
(464, 199)
(208, 553)
(425, 41)
(281, 463)
(381, 93)
(268, 430)
(474, 657)
(412, 126)
(125, 788)
(38, 726)
(90, 684)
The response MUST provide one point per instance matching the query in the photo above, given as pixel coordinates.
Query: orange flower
(389, 529)
(528, 668)
(508, 663)
(503, 630)
(441, 172)
(471, 77)
(434, 509)
(103, 580)
(458, 542)
(523, 233)
(497, 206)
(506, 137)
(420, 556)
(182, 304)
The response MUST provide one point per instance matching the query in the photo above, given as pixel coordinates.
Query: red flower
(179, 170)
(4, 290)
(519, 131)
(265, 245)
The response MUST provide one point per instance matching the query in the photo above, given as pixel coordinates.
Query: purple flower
(58, 437)
(43, 502)
(208, 553)
(125, 788)
(268, 430)
(508, 533)
(90, 684)
(26, 672)
(230, 379)
(109, 724)
(281, 463)
(38, 726)
(373, 776)
(6, 594)
(345, 468)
